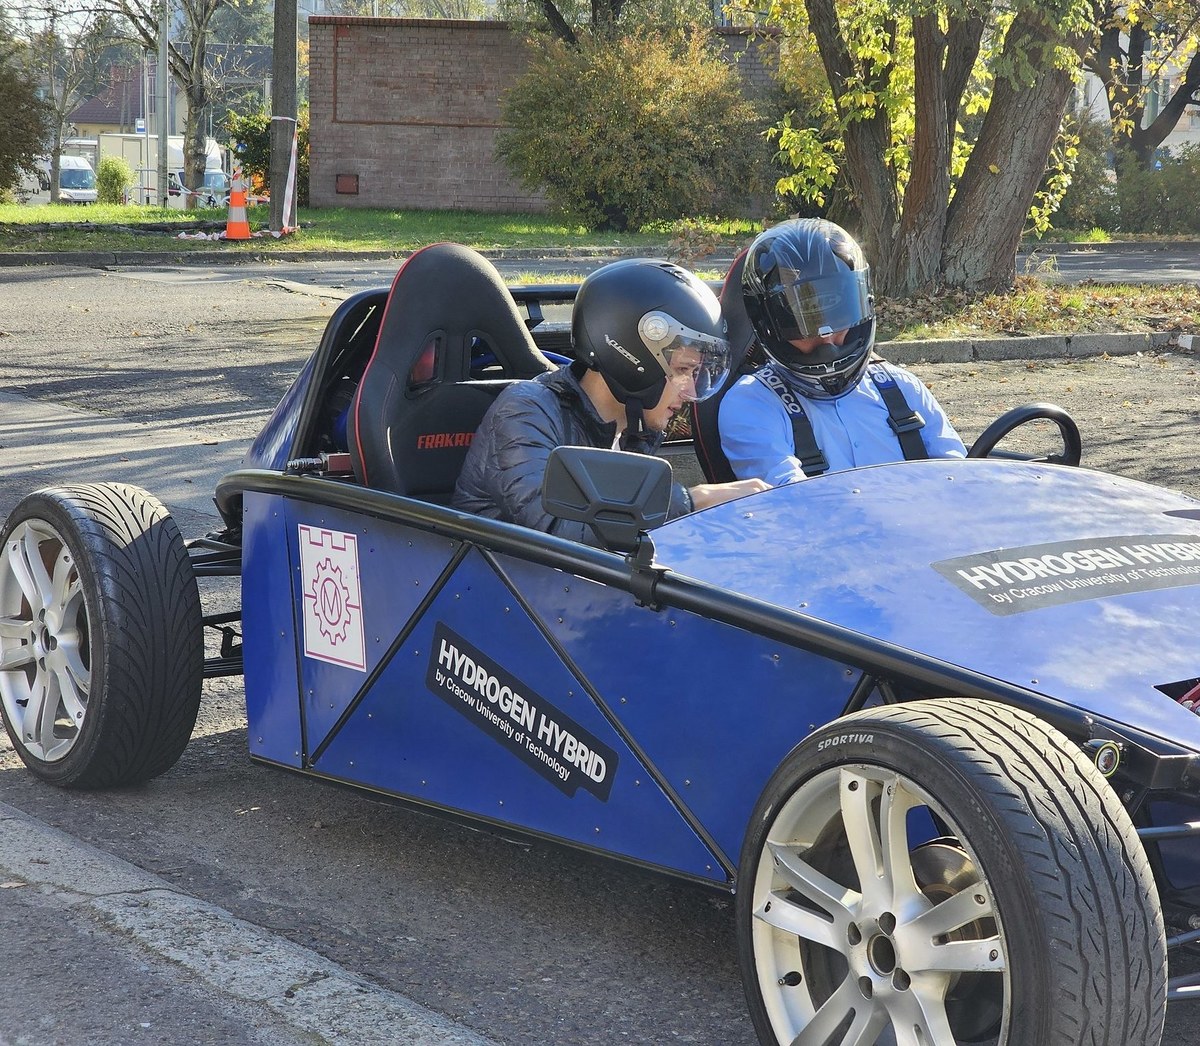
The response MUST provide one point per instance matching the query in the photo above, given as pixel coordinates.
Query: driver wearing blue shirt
(823, 403)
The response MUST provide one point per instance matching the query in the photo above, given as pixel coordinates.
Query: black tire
(1010, 903)
(100, 627)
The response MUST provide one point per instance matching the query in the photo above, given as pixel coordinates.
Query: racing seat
(745, 357)
(417, 406)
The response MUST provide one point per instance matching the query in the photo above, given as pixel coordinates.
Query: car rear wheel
(101, 649)
(947, 872)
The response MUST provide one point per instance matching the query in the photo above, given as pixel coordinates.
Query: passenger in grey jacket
(648, 338)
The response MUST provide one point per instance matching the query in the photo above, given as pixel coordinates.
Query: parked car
(76, 180)
(931, 722)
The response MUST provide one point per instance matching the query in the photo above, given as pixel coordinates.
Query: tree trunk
(195, 147)
(195, 83)
(1122, 72)
(1006, 166)
(187, 70)
(1146, 140)
(55, 163)
(942, 66)
(866, 140)
(1109, 62)
(1132, 97)
(558, 25)
(964, 36)
(915, 259)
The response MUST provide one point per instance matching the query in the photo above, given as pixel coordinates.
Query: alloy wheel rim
(45, 669)
(857, 931)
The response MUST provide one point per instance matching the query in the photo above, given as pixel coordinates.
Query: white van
(76, 180)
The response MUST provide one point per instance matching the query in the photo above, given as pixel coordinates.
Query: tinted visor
(804, 307)
(695, 363)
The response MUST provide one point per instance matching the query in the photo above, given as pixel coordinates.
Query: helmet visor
(804, 307)
(695, 363)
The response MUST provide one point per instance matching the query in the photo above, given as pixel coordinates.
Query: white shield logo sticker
(333, 625)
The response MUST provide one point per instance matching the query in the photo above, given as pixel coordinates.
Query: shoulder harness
(905, 422)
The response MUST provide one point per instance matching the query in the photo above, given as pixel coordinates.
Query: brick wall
(755, 53)
(404, 111)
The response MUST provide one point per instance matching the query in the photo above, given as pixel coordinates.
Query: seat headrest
(428, 443)
(452, 291)
(447, 305)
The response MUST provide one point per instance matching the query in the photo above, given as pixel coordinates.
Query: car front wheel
(947, 872)
(101, 651)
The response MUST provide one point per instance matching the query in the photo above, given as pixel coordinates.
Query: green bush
(114, 179)
(1161, 201)
(622, 132)
(250, 135)
(1183, 189)
(1140, 201)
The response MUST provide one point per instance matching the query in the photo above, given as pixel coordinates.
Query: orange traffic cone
(237, 227)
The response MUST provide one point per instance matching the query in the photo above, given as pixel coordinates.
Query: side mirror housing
(619, 495)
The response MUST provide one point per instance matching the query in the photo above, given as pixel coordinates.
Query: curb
(1033, 347)
(238, 963)
(207, 256)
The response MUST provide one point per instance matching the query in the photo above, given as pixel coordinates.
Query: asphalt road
(1114, 262)
(1071, 263)
(522, 943)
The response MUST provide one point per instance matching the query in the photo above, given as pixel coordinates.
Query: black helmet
(633, 321)
(803, 279)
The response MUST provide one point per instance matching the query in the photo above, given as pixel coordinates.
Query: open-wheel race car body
(929, 721)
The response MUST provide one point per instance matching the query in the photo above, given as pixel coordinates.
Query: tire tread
(1105, 854)
(147, 668)
(1059, 846)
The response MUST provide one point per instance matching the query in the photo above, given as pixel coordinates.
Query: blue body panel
(269, 631)
(714, 708)
(858, 548)
(376, 715)
(396, 575)
(430, 668)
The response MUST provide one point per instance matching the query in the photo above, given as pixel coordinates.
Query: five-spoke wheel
(45, 661)
(942, 873)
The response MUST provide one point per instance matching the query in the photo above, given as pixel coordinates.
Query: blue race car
(932, 722)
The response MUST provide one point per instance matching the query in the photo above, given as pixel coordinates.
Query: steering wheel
(1072, 445)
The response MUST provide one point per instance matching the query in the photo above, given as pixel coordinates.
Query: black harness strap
(905, 422)
(812, 460)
